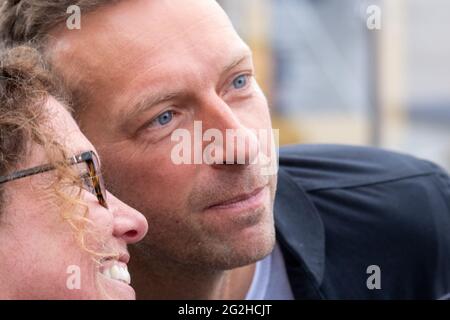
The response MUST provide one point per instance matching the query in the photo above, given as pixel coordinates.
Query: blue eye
(240, 82)
(165, 118)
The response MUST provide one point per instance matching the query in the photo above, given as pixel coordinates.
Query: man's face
(147, 68)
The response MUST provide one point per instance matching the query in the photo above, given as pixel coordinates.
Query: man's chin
(242, 239)
(250, 246)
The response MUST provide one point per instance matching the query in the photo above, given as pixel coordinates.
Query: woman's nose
(129, 224)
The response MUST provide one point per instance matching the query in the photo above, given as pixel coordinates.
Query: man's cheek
(168, 181)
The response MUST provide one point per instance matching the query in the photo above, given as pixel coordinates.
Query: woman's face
(39, 252)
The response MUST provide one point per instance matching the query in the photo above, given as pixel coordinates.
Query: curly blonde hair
(25, 85)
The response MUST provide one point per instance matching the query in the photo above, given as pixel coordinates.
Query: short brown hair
(22, 21)
(30, 21)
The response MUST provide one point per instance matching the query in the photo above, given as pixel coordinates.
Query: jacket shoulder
(339, 166)
(378, 208)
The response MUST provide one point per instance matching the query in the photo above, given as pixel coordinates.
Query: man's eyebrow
(236, 61)
(146, 103)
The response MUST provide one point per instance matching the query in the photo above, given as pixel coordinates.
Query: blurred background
(354, 71)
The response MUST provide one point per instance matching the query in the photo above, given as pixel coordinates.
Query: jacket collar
(300, 231)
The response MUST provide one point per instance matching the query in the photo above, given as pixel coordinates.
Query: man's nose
(129, 224)
(240, 143)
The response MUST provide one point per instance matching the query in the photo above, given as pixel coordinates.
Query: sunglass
(92, 179)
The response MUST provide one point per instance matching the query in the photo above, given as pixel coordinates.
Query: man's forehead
(141, 21)
(125, 34)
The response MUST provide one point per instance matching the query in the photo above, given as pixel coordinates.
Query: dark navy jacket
(341, 209)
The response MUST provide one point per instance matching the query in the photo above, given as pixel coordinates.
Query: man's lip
(235, 199)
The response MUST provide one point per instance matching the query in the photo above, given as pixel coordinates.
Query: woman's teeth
(117, 272)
